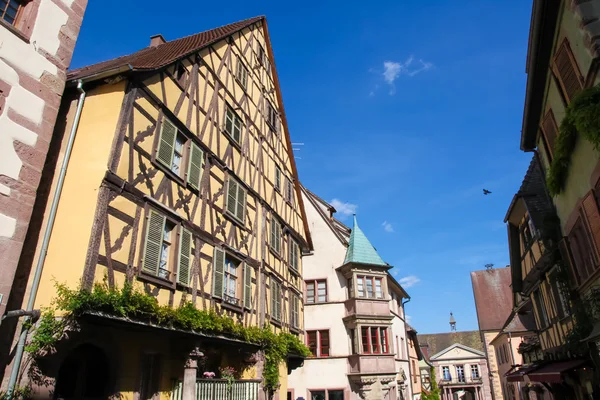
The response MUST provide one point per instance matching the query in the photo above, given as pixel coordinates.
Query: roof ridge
(131, 58)
(242, 21)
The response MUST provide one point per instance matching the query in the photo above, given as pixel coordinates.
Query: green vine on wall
(129, 302)
(434, 393)
(581, 117)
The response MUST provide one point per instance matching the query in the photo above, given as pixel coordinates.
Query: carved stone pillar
(259, 362)
(189, 375)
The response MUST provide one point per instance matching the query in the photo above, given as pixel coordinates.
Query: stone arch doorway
(84, 374)
(464, 394)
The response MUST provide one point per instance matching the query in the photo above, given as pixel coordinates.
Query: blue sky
(407, 110)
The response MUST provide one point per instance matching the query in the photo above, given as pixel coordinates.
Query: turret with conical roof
(360, 250)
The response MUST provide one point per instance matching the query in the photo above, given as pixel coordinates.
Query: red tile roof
(493, 297)
(151, 58)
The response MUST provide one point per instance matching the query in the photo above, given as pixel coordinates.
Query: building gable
(457, 351)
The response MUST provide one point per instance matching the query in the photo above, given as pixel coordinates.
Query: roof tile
(151, 58)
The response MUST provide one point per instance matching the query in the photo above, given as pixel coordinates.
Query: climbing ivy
(129, 302)
(434, 393)
(581, 117)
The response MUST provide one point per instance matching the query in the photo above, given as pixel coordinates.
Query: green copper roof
(360, 250)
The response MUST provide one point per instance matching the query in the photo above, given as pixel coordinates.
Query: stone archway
(84, 374)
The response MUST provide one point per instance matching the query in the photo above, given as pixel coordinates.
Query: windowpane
(474, 371)
(369, 287)
(312, 342)
(360, 286)
(163, 271)
(378, 290)
(324, 338)
(230, 281)
(383, 340)
(365, 340)
(446, 373)
(233, 124)
(336, 394)
(319, 395)
(9, 10)
(460, 373)
(375, 340)
(322, 291)
(310, 292)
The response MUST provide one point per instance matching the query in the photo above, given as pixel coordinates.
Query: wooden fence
(217, 389)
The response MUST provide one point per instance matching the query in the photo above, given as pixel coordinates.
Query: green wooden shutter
(274, 296)
(195, 166)
(185, 257)
(154, 235)
(166, 142)
(247, 286)
(278, 301)
(218, 269)
(232, 191)
(241, 203)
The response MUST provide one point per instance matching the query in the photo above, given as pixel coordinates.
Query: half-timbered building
(181, 180)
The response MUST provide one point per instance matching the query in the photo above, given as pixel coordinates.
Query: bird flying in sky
(486, 192)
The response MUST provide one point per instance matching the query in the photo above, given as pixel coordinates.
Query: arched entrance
(84, 374)
(464, 394)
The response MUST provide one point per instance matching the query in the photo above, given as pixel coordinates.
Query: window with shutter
(275, 235)
(247, 286)
(541, 309)
(293, 254)
(592, 214)
(242, 73)
(196, 163)
(218, 272)
(275, 300)
(154, 242)
(185, 258)
(271, 115)
(233, 124)
(289, 190)
(166, 143)
(294, 308)
(241, 203)
(277, 178)
(567, 72)
(236, 199)
(560, 299)
(550, 131)
(582, 251)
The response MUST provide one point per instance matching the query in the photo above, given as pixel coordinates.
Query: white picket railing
(217, 389)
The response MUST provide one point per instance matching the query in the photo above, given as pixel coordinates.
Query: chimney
(156, 40)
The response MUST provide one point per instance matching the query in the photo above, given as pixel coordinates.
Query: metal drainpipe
(14, 373)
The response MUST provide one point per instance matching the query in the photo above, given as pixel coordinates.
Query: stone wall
(34, 56)
(35, 53)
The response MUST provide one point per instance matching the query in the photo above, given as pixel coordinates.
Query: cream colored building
(354, 317)
(461, 371)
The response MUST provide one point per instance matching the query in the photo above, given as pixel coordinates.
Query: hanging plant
(581, 117)
(129, 302)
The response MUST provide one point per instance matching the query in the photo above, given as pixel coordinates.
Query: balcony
(368, 307)
(461, 381)
(371, 364)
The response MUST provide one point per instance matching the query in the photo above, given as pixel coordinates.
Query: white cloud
(387, 227)
(408, 319)
(345, 209)
(409, 281)
(393, 69)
